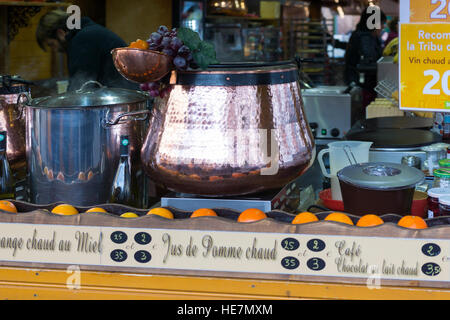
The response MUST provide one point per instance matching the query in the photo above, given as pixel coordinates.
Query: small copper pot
(229, 130)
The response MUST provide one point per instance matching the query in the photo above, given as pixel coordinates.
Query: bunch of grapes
(166, 41)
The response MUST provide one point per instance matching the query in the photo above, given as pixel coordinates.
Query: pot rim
(243, 67)
(400, 176)
(42, 102)
(241, 76)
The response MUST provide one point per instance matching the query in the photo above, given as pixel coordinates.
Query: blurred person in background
(363, 51)
(88, 49)
(393, 30)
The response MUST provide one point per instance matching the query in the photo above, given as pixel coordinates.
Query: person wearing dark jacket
(88, 49)
(363, 51)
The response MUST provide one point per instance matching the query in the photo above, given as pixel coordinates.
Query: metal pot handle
(84, 85)
(22, 103)
(133, 114)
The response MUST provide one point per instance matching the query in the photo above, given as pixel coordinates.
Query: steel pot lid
(381, 175)
(89, 96)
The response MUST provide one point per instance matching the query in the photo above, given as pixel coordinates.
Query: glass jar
(434, 195)
(433, 153)
(441, 178)
(444, 206)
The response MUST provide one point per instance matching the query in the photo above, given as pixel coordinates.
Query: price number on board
(119, 237)
(442, 11)
(142, 238)
(431, 249)
(290, 263)
(431, 269)
(142, 256)
(315, 264)
(118, 255)
(290, 244)
(431, 87)
(315, 245)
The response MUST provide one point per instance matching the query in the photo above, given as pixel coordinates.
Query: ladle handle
(133, 114)
(21, 104)
(84, 85)
(348, 152)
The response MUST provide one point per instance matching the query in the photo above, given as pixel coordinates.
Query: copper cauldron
(229, 130)
(12, 118)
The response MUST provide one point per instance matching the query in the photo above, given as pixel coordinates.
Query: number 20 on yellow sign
(429, 10)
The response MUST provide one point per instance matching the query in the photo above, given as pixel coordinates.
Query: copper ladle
(141, 66)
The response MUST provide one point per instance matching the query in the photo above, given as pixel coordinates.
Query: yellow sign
(425, 67)
(429, 11)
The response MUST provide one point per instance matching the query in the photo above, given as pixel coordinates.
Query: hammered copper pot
(229, 130)
(12, 119)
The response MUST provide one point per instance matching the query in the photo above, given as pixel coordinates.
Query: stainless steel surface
(395, 156)
(330, 111)
(387, 70)
(412, 161)
(192, 204)
(141, 65)
(72, 154)
(210, 140)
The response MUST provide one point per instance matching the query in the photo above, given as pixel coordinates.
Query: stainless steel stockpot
(72, 142)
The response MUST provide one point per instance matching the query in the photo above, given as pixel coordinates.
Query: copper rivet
(228, 78)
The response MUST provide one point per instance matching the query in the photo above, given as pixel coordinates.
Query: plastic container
(441, 178)
(433, 200)
(339, 153)
(379, 187)
(444, 206)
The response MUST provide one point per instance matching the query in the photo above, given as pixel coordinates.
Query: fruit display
(369, 220)
(203, 212)
(8, 206)
(162, 212)
(250, 215)
(305, 217)
(183, 46)
(245, 216)
(65, 209)
(339, 217)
